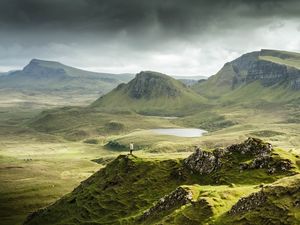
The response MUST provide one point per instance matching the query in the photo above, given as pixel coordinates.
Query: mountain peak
(149, 84)
(40, 68)
(45, 63)
(152, 93)
(267, 68)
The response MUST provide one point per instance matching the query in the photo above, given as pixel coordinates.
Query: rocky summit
(255, 153)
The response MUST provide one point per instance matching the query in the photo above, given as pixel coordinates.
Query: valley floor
(37, 168)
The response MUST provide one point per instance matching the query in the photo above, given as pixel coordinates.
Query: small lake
(180, 132)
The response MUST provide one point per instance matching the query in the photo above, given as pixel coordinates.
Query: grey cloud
(136, 15)
(172, 36)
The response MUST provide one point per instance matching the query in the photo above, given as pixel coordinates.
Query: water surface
(180, 132)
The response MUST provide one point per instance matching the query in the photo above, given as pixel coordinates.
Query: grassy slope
(79, 123)
(127, 187)
(281, 206)
(216, 84)
(282, 57)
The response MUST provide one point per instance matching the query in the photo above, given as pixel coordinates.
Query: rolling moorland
(45, 154)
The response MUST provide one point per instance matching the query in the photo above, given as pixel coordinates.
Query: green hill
(205, 188)
(268, 74)
(151, 93)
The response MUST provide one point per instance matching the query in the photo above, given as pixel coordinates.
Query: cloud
(184, 37)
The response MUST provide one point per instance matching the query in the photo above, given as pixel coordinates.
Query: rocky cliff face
(269, 73)
(253, 67)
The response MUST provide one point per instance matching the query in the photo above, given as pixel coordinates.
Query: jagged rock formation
(249, 203)
(269, 163)
(175, 199)
(259, 153)
(204, 162)
(252, 146)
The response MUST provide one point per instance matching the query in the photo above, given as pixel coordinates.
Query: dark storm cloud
(135, 15)
(171, 36)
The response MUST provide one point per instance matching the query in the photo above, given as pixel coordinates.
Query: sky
(176, 37)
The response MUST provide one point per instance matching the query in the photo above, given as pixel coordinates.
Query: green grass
(129, 185)
(279, 208)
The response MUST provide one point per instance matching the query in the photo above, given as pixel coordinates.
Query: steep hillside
(270, 71)
(53, 76)
(150, 93)
(201, 189)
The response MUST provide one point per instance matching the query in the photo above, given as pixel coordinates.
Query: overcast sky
(176, 37)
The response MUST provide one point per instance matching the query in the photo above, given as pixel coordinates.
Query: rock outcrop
(273, 204)
(249, 203)
(258, 155)
(177, 198)
(204, 162)
(268, 162)
(252, 146)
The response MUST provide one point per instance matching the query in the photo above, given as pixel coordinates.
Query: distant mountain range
(54, 78)
(44, 76)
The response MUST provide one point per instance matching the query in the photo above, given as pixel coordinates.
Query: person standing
(131, 148)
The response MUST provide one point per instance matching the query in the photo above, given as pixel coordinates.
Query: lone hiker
(131, 148)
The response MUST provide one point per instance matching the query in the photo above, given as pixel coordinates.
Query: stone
(249, 203)
(252, 146)
(259, 152)
(204, 162)
(175, 199)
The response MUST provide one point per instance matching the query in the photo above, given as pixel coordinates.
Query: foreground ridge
(208, 187)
